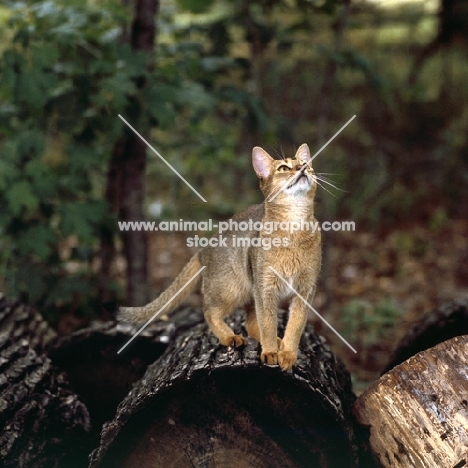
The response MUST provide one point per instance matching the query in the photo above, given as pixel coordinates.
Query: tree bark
(20, 322)
(418, 412)
(44, 425)
(203, 405)
(435, 327)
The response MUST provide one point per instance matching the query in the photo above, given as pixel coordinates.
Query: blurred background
(204, 82)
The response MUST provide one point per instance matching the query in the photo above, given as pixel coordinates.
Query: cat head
(281, 179)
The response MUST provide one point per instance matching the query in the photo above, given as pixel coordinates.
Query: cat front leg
(287, 354)
(252, 327)
(266, 310)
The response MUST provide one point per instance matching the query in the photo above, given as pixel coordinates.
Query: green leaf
(21, 196)
(195, 6)
(84, 158)
(196, 96)
(31, 280)
(67, 289)
(82, 219)
(44, 54)
(115, 91)
(42, 179)
(33, 86)
(30, 143)
(160, 101)
(37, 240)
(8, 172)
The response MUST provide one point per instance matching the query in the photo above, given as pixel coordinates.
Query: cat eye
(283, 168)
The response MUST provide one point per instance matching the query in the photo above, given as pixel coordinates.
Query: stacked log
(417, 413)
(435, 327)
(100, 375)
(202, 405)
(43, 422)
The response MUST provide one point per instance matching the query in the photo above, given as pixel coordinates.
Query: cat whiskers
(320, 178)
(326, 180)
(280, 155)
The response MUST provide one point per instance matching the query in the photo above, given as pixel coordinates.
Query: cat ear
(262, 162)
(303, 153)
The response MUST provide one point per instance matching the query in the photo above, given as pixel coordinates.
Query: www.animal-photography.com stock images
(233, 234)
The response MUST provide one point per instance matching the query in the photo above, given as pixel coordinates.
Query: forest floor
(379, 282)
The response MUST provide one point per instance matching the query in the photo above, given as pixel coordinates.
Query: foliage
(365, 323)
(63, 79)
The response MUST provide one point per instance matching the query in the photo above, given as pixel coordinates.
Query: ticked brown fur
(237, 276)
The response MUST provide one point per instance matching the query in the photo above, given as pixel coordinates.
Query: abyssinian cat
(243, 275)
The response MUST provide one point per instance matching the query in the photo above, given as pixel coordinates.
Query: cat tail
(166, 302)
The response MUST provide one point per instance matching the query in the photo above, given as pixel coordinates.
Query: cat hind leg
(215, 318)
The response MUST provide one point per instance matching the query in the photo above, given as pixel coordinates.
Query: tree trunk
(418, 412)
(203, 405)
(44, 425)
(453, 24)
(435, 327)
(125, 190)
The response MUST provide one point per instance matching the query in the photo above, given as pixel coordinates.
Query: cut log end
(96, 372)
(242, 418)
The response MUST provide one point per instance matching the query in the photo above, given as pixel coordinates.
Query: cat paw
(270, 358)
(233, 341)
(286, 359)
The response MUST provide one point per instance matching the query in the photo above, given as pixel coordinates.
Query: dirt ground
(379, 283)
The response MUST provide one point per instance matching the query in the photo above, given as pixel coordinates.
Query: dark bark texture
(18, 321)
(203, 405)
(43, 423)
(435, 327)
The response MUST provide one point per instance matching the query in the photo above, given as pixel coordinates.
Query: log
(435, 327)
(43, 423)
(100, 376)
(417, 413)
(19, 321)
(204, 405)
